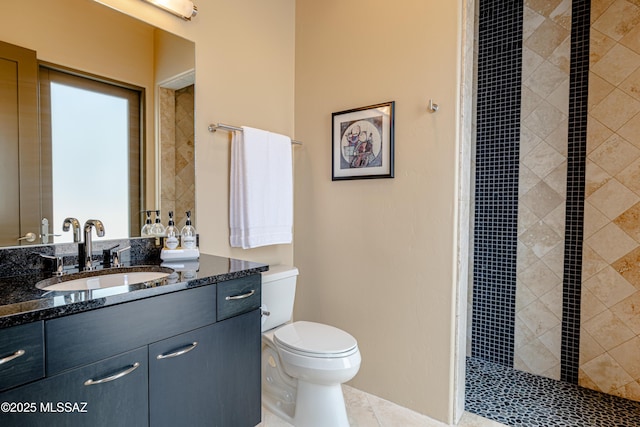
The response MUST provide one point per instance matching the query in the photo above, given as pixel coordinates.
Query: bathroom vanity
(183, 351)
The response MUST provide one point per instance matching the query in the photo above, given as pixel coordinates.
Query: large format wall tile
(609, 350)
(177, 155)
(541, 212)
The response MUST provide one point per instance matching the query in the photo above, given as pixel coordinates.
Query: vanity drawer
(239, 296)
(90, 336)
(22, 352)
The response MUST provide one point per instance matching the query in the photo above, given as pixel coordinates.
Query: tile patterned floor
(366, 410)
(520, 399)
(498, 396)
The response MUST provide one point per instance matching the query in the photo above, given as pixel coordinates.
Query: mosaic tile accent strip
(520, 399)
(496, 192)
(576, 155)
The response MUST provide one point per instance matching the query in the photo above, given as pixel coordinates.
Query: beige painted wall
(244, 76)
(377, 257)
(79, 34)
(174, 56)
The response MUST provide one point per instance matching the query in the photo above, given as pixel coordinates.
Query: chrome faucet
(110, 259)
(68, 222)
(118, 256)
(88, 247)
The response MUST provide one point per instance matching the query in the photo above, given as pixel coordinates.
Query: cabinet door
(207, 377)
(237, 397)
(111, 392)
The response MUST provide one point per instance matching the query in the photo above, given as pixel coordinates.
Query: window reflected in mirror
(91, 140)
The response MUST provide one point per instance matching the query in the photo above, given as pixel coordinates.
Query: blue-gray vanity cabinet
(215, 382)
(207, 377)
(116, 395)
(21, 354)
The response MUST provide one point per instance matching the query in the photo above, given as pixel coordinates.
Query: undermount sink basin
(102, 279)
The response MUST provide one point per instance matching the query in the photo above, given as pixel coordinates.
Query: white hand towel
(261, 193)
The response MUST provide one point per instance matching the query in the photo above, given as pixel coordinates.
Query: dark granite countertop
(21, 302)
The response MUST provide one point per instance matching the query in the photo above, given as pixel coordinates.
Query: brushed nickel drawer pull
(243, 296)
(113, 377)
(179, 352)
(13, 356)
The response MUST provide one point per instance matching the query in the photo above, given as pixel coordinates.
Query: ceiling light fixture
(185, 9)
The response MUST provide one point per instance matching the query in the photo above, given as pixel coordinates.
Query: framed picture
(362, 142)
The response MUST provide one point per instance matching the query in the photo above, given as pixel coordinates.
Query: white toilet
(303, 363)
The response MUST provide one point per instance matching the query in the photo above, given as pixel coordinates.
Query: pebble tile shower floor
(519, 399)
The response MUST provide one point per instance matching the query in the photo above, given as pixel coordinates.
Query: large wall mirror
(84, 38)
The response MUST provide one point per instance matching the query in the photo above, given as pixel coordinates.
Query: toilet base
(278, 388)
(319, 405)
(305, 391)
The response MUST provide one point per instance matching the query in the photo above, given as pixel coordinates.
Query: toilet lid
(315, 339)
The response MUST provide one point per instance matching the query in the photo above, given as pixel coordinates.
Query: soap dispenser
(157, 229)
(147, 228)
(188, 234)
(184, 258)
(171, 239)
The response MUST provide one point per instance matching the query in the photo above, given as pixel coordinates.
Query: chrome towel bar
(229, 128)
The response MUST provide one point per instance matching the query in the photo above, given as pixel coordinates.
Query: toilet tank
(278, 294)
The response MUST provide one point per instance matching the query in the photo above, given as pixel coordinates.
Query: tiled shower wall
(177, 189)
(610, 316)
(542, 186)
(566, 303)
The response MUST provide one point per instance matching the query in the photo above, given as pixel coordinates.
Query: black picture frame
(363, 142)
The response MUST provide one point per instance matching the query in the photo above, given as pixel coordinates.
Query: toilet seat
(315, 340)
